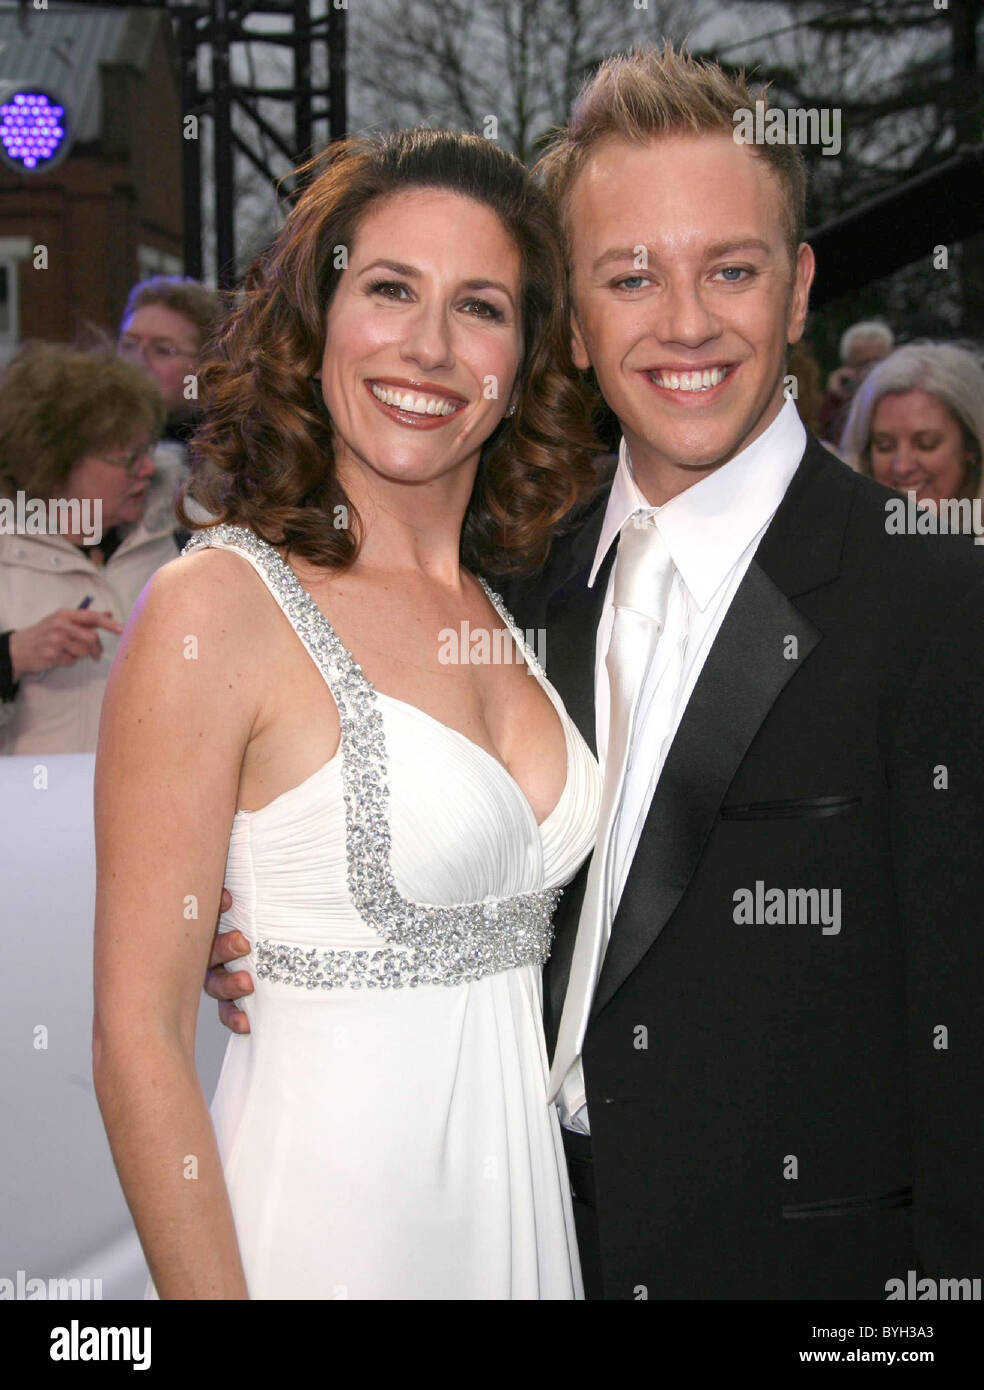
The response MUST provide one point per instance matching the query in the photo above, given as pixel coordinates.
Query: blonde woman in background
(917, 422)
(75, 426)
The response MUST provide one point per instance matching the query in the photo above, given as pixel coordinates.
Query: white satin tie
(643, 577)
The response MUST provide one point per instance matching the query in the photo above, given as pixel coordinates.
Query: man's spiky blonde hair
(656, 91)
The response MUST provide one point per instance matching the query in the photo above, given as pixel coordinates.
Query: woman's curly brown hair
(263, 455)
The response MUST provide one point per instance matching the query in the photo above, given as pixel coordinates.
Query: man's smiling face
(685, 298)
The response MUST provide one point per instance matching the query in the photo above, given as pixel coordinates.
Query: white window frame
(152, 261)
(13, 250)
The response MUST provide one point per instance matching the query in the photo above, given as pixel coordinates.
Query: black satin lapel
(572, 619)
(573, 615)
(557, 970)
(744, 673)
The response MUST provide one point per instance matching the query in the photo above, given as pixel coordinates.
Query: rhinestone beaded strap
(425, 945)
(529, 654)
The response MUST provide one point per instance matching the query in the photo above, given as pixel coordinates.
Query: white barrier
(64, 1214)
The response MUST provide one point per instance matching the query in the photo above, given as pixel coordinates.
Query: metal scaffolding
(221, 26)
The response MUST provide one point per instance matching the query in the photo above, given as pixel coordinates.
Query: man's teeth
(689, 381)
(417, 405)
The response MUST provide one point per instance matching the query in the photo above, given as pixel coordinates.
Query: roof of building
(61, 49)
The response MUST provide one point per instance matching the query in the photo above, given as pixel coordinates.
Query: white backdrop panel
(64, 1212)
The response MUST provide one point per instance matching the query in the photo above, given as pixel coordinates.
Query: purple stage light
(32, 129)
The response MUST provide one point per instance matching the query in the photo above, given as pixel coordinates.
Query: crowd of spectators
(97, 438)
(106, 431)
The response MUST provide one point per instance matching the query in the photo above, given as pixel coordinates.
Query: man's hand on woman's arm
(219, 983)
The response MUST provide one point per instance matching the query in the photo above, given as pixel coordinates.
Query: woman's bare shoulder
(198, 631)
(217, 588)
(211, 566)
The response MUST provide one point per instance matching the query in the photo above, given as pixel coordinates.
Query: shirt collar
(708, 526)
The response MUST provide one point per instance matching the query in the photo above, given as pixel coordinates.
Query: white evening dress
(383, 1128)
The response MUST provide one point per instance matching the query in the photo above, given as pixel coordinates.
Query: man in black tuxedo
(771, 1082)
(782, 1060)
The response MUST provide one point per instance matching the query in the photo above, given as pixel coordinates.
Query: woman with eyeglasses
(86, 517)
(167, 321)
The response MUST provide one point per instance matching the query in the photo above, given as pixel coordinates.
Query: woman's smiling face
(917, 445)
(423, 337)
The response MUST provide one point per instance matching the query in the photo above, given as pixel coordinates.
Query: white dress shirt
(712, 530)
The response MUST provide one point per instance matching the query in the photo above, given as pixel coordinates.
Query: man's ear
(799, 301)
(578, 351)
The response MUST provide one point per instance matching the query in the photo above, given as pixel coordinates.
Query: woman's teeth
(689, 381)
(417, 405)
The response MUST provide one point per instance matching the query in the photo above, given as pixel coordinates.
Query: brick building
(110, 212)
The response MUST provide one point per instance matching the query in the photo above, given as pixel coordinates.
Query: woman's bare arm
(178, 712)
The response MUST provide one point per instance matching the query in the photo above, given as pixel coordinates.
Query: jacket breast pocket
(802, 808)
(848, 1206)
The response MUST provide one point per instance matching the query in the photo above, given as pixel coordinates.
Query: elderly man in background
(166, 323)
(861, 346)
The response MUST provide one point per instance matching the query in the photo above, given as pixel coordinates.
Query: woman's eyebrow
(411, 272)
(488, 285)
(396, 266)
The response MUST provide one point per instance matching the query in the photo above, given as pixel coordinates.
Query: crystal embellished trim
(425, 944)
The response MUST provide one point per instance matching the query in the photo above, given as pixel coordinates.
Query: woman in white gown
(300, 709)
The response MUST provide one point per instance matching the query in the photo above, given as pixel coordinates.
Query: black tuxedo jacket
(780, 1111)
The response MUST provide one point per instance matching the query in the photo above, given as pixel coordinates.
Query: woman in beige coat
(77, 434)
